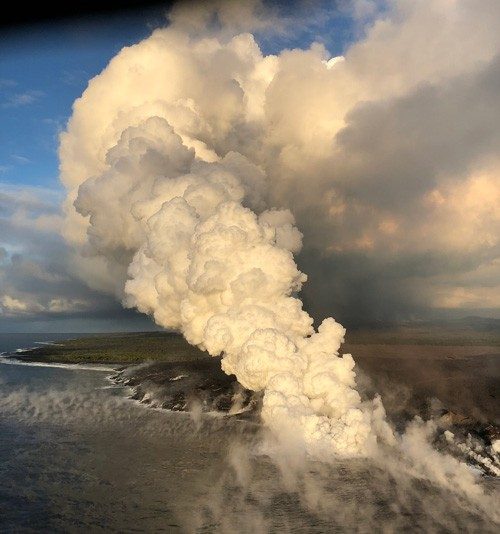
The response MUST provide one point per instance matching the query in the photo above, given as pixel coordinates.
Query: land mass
(450, 373)
(457, 363)
(122, 348)
(136, 347)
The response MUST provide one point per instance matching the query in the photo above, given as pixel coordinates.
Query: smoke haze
(385, 155)
(183, 157)
(209, 184)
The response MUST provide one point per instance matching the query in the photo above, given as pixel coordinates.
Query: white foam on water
(9, 360)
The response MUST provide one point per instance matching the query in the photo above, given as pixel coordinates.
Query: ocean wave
(9, 360)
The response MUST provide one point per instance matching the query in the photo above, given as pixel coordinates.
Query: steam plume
(223, 274)
(163, 199)
(178, 160)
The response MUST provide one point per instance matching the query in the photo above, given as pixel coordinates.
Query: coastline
(161, 371)
(115, 348)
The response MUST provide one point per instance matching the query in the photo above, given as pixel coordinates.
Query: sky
(45, 67)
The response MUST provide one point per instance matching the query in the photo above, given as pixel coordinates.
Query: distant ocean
(12, 342)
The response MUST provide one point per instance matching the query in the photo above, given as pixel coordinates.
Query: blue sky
(45, 68)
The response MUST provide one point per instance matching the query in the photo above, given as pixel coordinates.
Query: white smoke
(176, 159)
(209, 266)
(167, 204)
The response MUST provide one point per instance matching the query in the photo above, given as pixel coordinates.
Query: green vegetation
(117, 348)
(170, 347)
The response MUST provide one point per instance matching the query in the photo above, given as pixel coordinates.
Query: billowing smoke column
(214, 265)
(165, 164)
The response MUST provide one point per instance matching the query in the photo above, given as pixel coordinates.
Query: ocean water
(76, 455)
(12, 342)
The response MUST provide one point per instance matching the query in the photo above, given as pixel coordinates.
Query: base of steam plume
(201, 387)
(446, 452)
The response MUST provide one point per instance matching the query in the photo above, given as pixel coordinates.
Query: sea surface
(76, 455)
(12, 342)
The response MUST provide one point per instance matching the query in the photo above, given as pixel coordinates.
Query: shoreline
(409, 378)
(6, 360)
(114, 349)
(23, 357)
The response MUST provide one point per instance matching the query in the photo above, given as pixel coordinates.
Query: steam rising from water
(211, 261)
(225, 277)
(166, 161)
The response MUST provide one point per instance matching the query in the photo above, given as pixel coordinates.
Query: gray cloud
(37, 289)
(392, 151)
(390, 157)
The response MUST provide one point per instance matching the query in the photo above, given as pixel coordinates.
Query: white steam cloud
(178, 160)
(387, 156)
(164, 198)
